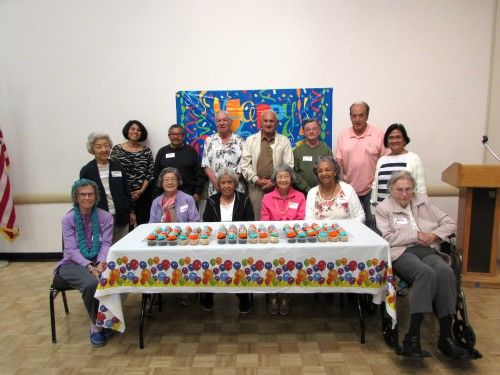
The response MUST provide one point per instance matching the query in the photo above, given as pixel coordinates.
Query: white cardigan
(355, 209)
(413, 165)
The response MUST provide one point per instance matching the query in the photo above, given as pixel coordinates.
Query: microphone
(485, 143)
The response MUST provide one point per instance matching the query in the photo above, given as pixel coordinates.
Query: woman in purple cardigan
(87, 235)
(173, 206)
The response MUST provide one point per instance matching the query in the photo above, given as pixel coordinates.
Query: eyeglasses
(170, 179)
(176, 134)
(86, 195)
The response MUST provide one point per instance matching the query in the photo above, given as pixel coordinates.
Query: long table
(361, 265)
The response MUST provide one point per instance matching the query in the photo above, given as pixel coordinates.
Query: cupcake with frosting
(172, 239)
(161, 240)
(323, 236)
(311, 236)
(221, 238)
(231, 238)
(302, 237)
(182, 240)
(204, 238)
(194, 239)
(242, 237)
(263, 237)
(291, 236)
(253, 238)
(273, 237)
(151, 240)
(343, 236)
(333, 236)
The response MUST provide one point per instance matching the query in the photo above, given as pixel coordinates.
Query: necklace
(327, 195)
(80, 234)
(287, 204)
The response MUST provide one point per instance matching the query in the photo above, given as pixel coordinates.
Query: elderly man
(222, 150)
(306, 155)
(185, 159)
(262, 152)
(358, 149)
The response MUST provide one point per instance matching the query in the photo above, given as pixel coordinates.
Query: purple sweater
(185, 209)
(72, 253)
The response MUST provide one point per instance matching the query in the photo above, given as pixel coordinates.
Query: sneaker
(245, 304)
(207, 301)
(449, 347)
(284, 305)
(97, 339)
(107, 333)
(273, 305)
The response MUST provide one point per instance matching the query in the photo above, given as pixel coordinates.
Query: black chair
(462, 330)
(58, 286)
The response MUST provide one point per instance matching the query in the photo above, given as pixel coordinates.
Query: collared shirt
(219, 156)
(357, 155)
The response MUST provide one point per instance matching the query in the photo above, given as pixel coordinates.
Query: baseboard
(31, 257)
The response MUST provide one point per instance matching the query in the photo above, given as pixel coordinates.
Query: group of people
(263, 178)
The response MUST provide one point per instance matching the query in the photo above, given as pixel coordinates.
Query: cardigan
(242, 208)
(185, 209)
(118, 186)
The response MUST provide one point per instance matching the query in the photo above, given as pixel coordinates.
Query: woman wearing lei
(87, 234)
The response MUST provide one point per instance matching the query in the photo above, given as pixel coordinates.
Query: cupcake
(242, 237)
(221, 238)
(182, 240)
(274, 238)
(204, 239)
(231, 238)
(343, 236)
(253, 238)
(172, 239)
(311, 236)
(291, 236)
(323, 236)
(161, 240)
(333, 236)
(302, 237)
(151, 240)
(194, 239)
(263, 237)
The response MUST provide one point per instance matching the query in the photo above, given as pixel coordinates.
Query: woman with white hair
(112, 182)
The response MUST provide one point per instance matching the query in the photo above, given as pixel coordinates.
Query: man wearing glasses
(185, 159)
(306, 154)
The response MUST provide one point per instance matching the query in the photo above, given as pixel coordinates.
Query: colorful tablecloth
(360, 265)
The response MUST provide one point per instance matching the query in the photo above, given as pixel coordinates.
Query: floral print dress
(335, 208)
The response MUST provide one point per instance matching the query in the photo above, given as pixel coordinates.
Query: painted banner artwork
(196, 112)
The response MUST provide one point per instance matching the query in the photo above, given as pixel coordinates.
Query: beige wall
(69, 68)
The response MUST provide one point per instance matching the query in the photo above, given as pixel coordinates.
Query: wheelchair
(462, 330)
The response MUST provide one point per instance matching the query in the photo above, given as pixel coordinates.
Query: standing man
(222, 150)
(306, 155)
(262, 152)
(185, 159)
(358, 149)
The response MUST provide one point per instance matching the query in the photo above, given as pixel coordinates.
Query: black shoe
(245, 304)
(449, 347)
(207, 301)
(412, 349)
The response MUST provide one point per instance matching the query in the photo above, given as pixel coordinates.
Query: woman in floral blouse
(332, 199)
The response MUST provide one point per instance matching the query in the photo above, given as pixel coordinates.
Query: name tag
(293, 205)
(183, 208)
(170, 155)
(116, 173)
(307, 158)
(342, 200)
(400, 221)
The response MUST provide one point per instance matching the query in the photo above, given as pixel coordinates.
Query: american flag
(7, 211)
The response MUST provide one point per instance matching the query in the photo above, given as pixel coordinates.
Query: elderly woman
(332, 199)
(415, 228)
(173, 206)
(137, 162)
(396, 139)
(112, 182)
(87, 233)
(228, 205)
(222, 150)
(284, 202)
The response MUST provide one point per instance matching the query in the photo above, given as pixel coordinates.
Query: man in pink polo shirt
(357, 152)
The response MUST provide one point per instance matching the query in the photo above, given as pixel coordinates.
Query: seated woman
(396, 139)
(112, 182)
(332, 199)
(87, 234)
(283, 203)
(173, 206)
(228, 205)
(415, 228)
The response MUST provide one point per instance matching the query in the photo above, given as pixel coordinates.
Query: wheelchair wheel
(464, 334)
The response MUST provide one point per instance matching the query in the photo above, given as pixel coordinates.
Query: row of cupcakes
(163, 236)
(243, 235)
(303, 233)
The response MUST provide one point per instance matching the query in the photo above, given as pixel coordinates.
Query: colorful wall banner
(196, 111)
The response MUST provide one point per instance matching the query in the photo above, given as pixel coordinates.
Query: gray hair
(367, 107)
(93, 137)
(400, 175)
(81, 183)
(328, 159)
(164, 171)
(282, 168)
(270, 111)
(230, 173)
(223, 111)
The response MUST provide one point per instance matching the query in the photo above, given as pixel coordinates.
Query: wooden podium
(478, 220)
